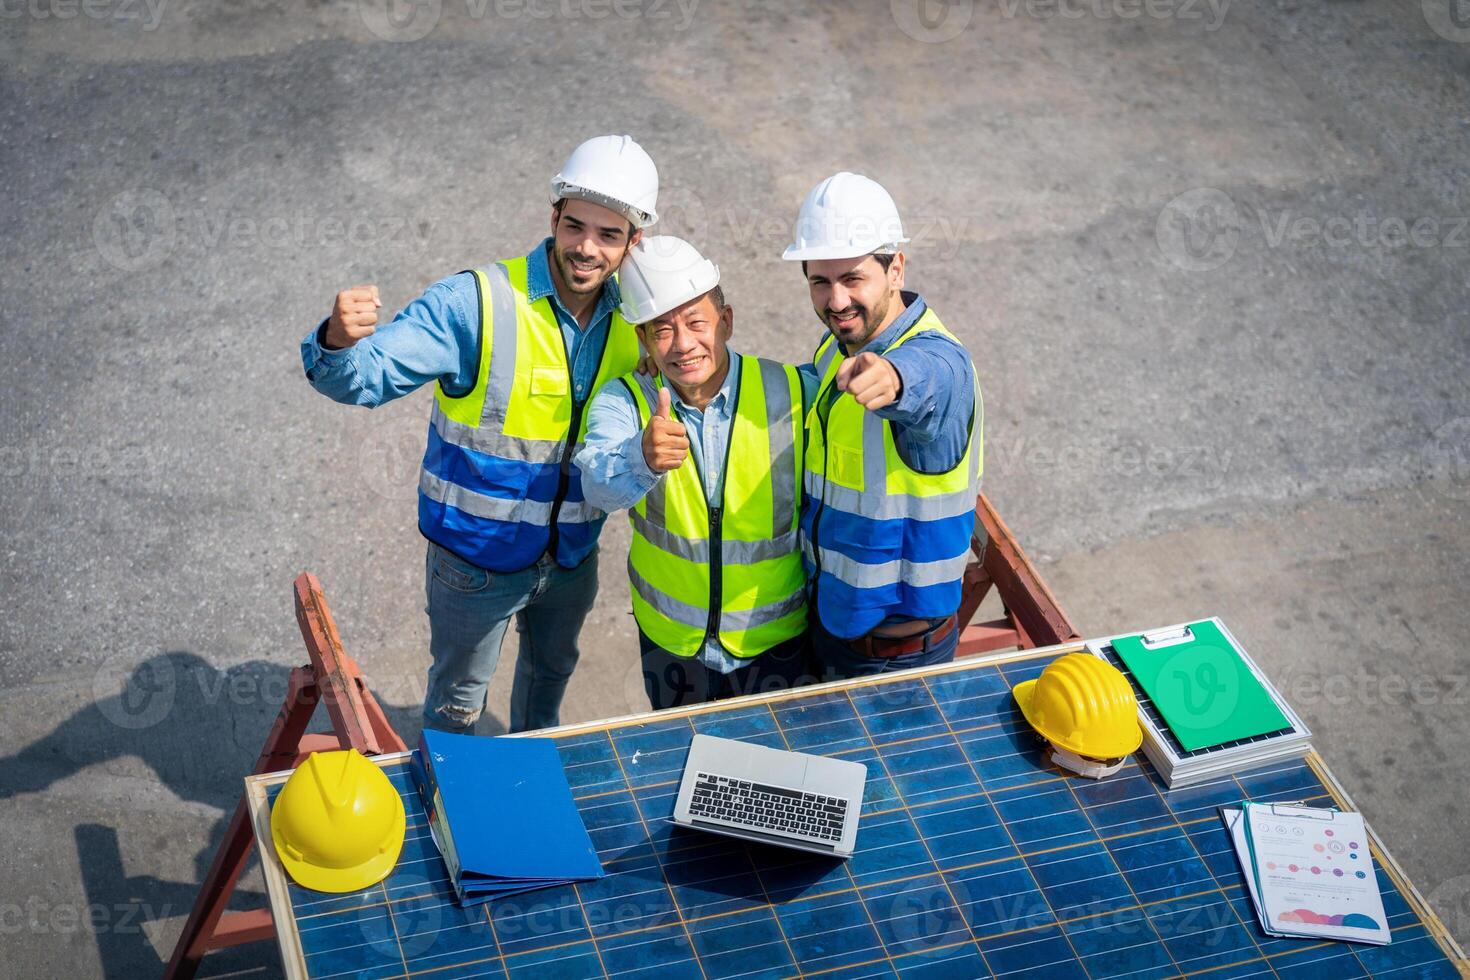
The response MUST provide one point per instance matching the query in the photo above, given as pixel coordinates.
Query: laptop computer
(790, 799)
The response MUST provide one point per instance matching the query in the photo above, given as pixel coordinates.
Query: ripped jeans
(469, 609)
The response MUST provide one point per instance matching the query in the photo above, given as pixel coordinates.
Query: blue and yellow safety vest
(881, 539)
(498, 487)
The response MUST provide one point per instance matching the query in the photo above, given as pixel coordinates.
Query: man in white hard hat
(516, 350)
(894, 444)
(707, 456)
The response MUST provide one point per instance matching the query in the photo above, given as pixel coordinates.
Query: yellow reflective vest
(732, 570)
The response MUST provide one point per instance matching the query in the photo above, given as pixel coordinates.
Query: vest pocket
(845, 465)
(549, 381)
(865, 541)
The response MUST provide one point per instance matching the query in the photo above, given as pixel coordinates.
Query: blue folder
(502, 814)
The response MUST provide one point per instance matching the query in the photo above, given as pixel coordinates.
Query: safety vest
(733, 570)
(881, 538)
(497, 486)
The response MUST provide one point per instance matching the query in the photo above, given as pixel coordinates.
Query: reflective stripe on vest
(880, 538)
(497, 486)
(734, 570)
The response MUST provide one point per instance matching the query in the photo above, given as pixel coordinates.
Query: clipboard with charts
(1309, 871)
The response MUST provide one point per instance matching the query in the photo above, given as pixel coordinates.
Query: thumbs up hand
(871, 379)
(665, 443)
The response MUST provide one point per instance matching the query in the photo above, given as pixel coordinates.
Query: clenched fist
(354, 316)
(664, 442)
(871, 379)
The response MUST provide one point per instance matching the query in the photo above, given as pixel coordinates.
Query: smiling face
(689, 346)
(589, 242)
(856, 298)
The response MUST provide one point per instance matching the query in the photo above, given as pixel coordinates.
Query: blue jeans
(469, 609)
(672, 681)
(835, 660)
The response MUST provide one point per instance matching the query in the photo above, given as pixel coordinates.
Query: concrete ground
(1211, 258)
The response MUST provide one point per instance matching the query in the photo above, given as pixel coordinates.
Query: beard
(570, 277)
(868, 321)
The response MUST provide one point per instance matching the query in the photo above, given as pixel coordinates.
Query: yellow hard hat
(1085, 705)
(338, 823)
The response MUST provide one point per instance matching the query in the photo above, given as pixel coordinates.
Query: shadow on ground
(200, 730)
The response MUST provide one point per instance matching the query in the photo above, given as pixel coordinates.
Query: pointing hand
(870, 379)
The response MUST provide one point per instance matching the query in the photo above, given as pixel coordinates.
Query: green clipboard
(1207, 694)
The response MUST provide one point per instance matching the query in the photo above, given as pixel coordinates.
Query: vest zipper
(716, 520)
(821, 502)
(716, 574)
(564, 477)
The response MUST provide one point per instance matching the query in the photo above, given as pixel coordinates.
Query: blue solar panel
(974, 859)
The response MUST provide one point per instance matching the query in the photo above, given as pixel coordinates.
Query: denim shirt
(437, 338)
(931, 418)
(615, 475)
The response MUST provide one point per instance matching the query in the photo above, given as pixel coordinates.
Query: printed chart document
(1309, 871)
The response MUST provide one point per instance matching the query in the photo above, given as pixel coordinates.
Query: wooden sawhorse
(1032, 616)
(358, 722)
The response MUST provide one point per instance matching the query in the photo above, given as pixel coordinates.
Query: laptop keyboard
(765, 807)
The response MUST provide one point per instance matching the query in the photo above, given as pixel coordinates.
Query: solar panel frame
(975, 858)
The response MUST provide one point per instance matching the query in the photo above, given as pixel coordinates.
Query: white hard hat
(615, 172)
(662, 273)
(845, 216)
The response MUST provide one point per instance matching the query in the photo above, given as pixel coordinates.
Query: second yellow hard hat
(1083, 704)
